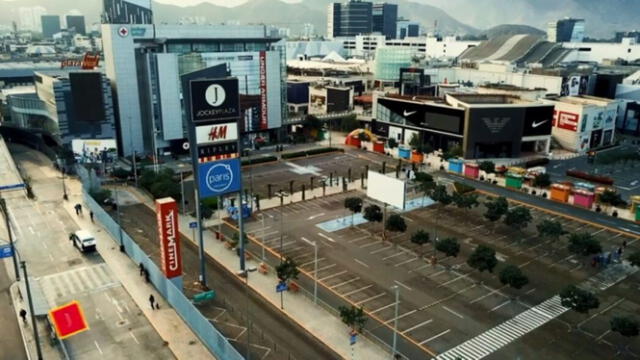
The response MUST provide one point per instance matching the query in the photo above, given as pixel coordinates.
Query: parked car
(83, 240)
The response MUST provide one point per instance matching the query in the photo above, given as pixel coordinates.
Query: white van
(83, 240)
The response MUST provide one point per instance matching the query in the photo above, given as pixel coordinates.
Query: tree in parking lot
(396, 223)
(518, 218)
(579, 300)
(483, 258)
(440, 195)
(465, 201)
(551, 229)
(634, 258)
(496, 208)
(353, 317)
(354, 204)
(625, 326)
(373, 213)
(512, 275)
(426, 185)
(448, 246)
(420, 238)
(584, 244)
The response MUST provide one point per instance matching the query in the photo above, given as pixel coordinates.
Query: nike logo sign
(535, 124)
(409, 113)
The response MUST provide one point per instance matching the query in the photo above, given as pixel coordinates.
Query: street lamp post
(245, 274)
(33, 316)
(119, 223)
(281, 194)
(315, 268)
(184, 205)
(395, 322)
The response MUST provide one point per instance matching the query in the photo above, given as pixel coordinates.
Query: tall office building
(127, 12)
(349, 19)
(406, 28)
(385, 17)
(29, 18)
(50, 25)
(76, 22)
(566, 30)
(145, 64)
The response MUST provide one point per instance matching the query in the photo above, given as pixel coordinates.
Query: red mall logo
(88, 62)
(167, 214)
(218, 133)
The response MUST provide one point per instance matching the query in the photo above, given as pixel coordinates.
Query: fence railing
(200, 325)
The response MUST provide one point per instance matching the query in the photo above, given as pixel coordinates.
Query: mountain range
(452, 16)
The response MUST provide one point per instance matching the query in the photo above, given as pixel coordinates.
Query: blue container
(456, 165)
(404, 152)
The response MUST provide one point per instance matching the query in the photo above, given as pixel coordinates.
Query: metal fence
(201, 326)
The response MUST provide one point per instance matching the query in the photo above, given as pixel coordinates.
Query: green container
(637, 213)
(514, 181)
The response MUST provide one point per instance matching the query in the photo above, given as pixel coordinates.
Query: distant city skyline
(225, 3)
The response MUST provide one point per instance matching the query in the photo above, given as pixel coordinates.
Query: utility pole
(395, 322)
(7, 223)
(245, 273)
(281, 194)
(184, 206)
(135, 168)
(33, 316)
(315, 268)
(119, 223)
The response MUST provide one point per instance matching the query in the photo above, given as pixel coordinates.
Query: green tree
(206, 211)
(625, 326)
(354, 204)
(287, 270)
(420, 238)
(392, 143)
(440, 195)
(634, 258)
(483, 258)
(496, 208)
(121, 173)
(396, 223)
(584, 244)
(488, 167)
(448, 246)
(415, 142)
(465, 201)
(611, 198)
(353, 317)
(579, 300)
(551, 229)
(425, 184)
(512, 275)
(100, 196)
(373, 213)
(542, 180)
(518, 218)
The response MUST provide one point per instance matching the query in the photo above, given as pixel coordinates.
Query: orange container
(560, 192)
(417, 157)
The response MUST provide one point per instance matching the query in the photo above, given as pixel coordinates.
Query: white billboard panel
(94, 150)
(386, 189)
(216, 133)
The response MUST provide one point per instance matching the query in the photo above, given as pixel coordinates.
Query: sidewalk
(318, 321)
(172, 329)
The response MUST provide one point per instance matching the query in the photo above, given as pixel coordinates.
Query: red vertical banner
(264, 104)
(169, 235)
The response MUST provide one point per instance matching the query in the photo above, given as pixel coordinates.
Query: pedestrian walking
(624, 244)
(23, 315)
(80, 208)
(91, 215)
(619, 251)
(146, 275)
(152, 301)
(141, 269)
(77, 208)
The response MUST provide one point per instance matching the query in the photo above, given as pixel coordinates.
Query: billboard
(219, 178)
(88, 151)
(538, 120)
(213, 100)
(568, 121)
(264, 101)
(68, 320)
(386, 189)
(422, 115)
(169, 235)
(88, 97)
(216, 133)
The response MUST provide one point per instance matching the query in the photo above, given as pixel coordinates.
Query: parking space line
(98, 346)
(361, 263)
(382, 308)
(370, 244)
(437, 273)
(499, 306)
(599, 231)
(453, 312)
(381, 249)
(332, 275)
(406, 261)
(326, 267)
(530, 291)
(435, 337)
(453, 280)
(326, 237)
(345, 282)
(311, 262)
(394, 255)
(403, 285)
(401, 316)
(371, 298)
(360, 238)
(356, 291)
(419, 268)
(417, 326)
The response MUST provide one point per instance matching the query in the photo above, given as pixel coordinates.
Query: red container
(472, 170)
(584, 198)
(378, 147)
(353, 141)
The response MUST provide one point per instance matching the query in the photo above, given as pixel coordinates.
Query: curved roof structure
(516, 49)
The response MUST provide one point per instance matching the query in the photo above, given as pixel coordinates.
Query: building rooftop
(584, 100)
(489, 99)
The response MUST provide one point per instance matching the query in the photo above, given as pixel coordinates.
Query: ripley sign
(169, 235)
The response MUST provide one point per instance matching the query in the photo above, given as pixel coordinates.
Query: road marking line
(361, 263)
(326, 237)
(598, 232)
(403, 285)
(134, 338)
(417, 326)
(394, 255)
(345, 282)
(356, 291)
(530, 291)
(370, 244)
(332, 276)
(371, 298)
(401, 316)
(380, 250)
(435, 337)
(98, 346)
(420, 268)
(499, 306)
(382, 308)
(437, 273)
(453, 312)
(360, 238)
(311, 262)
(326, 267)
(406, 262)
(453, 280)
(315, 216)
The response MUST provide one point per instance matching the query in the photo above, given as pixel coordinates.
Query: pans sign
(219, 177)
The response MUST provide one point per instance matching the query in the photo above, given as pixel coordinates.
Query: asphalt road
(11, 344)
(292, 342)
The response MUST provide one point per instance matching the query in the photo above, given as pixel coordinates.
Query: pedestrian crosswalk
(494, 339)
(77, 281)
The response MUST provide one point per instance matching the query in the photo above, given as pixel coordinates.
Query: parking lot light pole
(315, 268)
(395, 322)
(33, 316)
(245, 274)
(3, 207)
(281, 194)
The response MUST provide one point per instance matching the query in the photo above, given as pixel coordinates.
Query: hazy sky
(227, 3)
